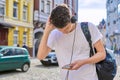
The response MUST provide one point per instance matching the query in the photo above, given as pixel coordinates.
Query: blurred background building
(102, 27)
(23, 21)
(16, 23)
(113, 24)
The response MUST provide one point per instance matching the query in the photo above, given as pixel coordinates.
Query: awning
(5, 25)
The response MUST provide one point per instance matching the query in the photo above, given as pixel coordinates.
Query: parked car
(50, 59)
(12, 58)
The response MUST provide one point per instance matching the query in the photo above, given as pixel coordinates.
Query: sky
(91, 11)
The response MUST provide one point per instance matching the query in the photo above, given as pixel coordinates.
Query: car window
(19, 52)
(0, 48)
(7, 52)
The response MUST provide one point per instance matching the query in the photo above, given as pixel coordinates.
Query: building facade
(42, 9)
(17, 24)
(102, 28)
(113, 24)
(3, 28)
(73, 5)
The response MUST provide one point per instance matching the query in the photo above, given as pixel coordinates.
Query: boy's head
(60, 16)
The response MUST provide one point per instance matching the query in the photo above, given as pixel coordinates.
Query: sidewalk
(118, 74)
(117, 57)
(36, 61)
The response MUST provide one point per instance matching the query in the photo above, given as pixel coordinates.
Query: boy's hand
(49, 26)
(77, 64)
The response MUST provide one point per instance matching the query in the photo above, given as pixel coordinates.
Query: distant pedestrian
(24, 46)
(18, 45)
(119, 51)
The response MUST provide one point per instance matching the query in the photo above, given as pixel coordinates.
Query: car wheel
(25, 67)
(46, 63)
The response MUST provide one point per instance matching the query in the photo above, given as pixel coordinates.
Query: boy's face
(65, 29)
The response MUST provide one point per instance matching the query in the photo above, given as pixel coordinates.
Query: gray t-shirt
(62, 43)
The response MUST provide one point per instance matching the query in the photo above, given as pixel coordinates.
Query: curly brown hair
(60, 16)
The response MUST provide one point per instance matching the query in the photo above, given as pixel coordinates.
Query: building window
(108, 24)
(42, 6)
(119, 9)
(111, 1)
(48, 7)
(15, 10)
(114, 22)
(108, 1)
(15, 38)
(25, 37)
(2, 9)
(25, 13)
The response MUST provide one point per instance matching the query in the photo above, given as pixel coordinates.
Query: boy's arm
(43, 49)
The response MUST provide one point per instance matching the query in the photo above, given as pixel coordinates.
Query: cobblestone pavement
(38, 72)
(118, 74)
(118, 63)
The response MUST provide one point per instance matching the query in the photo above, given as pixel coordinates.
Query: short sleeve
(51, 40)
(95, 33)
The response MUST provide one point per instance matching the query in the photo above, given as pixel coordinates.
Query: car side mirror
(1, 55)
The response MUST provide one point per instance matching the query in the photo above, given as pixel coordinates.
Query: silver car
(50, 59)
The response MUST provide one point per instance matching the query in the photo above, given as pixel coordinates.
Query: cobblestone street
(37, 72)
(118, 63)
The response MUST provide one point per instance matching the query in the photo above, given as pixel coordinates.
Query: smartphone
(67, 66)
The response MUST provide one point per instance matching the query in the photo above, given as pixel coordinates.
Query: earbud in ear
(73, 19)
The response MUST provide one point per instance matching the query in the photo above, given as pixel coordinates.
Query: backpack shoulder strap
(85, 29)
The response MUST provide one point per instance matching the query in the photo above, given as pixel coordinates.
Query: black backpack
(106, 69)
